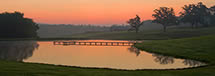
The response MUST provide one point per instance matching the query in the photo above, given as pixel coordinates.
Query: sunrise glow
(91, 11)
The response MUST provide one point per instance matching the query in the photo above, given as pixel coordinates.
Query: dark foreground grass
(200, 48)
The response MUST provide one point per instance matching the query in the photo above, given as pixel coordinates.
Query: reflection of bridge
(94, 43)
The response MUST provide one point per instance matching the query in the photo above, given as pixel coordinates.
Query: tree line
(15, 25)
(195, 14)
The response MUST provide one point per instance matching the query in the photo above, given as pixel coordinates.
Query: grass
(40, 39)
(149, 35)
(198, 48)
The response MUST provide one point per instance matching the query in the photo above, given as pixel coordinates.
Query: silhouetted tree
(188, 15)
(135, 23)
(212, 17)
(15, 25)
(212, 10)
(195, 14)
(204, 14)
(165, 16)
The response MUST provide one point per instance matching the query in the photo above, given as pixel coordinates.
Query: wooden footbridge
(94, 43)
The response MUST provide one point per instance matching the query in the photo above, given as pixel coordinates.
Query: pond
(95, 56)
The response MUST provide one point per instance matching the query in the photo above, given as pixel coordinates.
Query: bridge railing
(94, 43)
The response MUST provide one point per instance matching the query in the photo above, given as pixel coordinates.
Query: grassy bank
(200, 48)
(175, 33)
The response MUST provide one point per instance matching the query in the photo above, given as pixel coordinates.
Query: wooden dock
(94, 43)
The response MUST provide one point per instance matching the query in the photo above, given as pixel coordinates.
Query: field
(174, 33)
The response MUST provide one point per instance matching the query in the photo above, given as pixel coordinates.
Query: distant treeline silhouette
(14, 25)
(195, 14)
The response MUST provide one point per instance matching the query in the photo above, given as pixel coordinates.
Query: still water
(115, 57)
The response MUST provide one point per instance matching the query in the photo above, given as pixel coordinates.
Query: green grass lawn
(199, 48)
(174, 33)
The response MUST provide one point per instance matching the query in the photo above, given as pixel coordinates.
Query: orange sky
(90, 11)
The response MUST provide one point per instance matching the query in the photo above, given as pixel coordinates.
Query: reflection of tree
(163, 59)
(192, 63)
(17, 50)
(132, 49)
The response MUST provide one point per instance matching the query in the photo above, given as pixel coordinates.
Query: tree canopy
(212, 17)
(135, 23)
(165, 16)
(14, 25)
(195, 14)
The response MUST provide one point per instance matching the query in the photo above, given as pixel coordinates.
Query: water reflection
(163, 59)
(17, 50)
(192, 63)
(117, 57)
(170, 60)
(133, 49)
